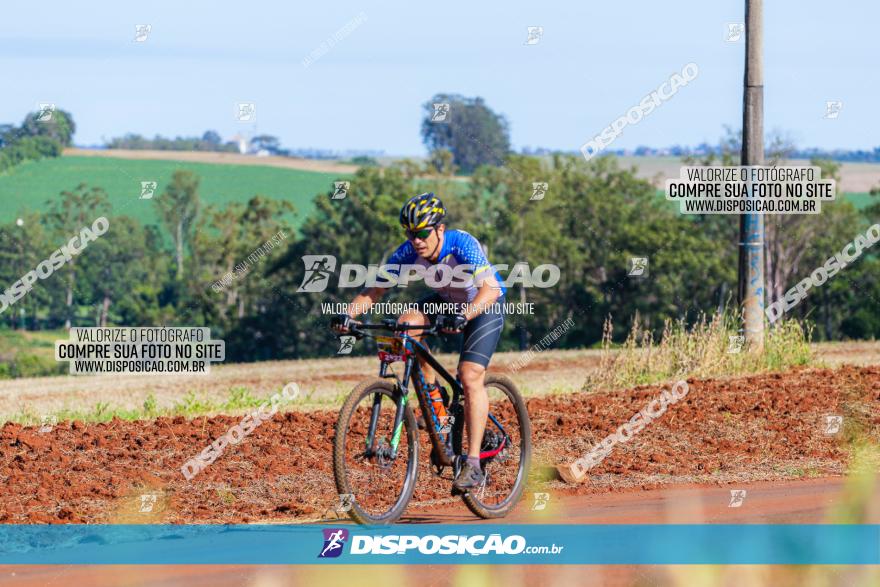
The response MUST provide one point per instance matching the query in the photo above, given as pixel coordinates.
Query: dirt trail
(808, 501)
(766, 427)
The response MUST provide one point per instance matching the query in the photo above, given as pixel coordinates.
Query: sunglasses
(419, 234)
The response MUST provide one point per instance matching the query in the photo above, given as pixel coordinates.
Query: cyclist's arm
(487, 294)
(362, 302)
(467, 250)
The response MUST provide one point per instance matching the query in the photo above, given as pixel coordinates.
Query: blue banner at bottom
(441, 544)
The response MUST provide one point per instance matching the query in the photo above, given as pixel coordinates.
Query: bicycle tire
(343, 486)
(471, 501)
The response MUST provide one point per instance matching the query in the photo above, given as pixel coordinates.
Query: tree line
(41, 134)
(592, 220)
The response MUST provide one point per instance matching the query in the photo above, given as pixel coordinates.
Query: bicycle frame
(412, 351)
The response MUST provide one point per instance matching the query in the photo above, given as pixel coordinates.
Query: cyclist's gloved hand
(451, 324)
(342, 322)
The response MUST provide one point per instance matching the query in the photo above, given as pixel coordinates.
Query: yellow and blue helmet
(422, 211)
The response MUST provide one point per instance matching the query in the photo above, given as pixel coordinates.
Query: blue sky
(595, 61)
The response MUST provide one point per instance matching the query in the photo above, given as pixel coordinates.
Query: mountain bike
(376, 447)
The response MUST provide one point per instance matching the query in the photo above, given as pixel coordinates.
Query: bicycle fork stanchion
(398, 426)
(374, 421)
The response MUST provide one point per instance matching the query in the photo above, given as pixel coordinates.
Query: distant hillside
(217, 157)
(29, 185)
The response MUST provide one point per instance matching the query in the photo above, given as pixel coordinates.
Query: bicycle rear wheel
(381, 485)
(508, 435)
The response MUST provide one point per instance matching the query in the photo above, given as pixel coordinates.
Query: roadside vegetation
(710, 348)
(238, 400)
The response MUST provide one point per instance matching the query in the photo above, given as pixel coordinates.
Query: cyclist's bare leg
(476, 404)
(416, 318)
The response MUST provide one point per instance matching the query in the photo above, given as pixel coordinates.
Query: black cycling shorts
(482, 333)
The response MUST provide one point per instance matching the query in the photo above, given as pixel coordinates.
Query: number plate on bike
(390, 349)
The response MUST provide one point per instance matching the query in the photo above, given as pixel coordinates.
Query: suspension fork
(400, 401)
(397, 427)
(374, 421)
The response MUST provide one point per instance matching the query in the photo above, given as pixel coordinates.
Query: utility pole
(751, 226)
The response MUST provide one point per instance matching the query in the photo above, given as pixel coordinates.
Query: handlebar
(390, 325)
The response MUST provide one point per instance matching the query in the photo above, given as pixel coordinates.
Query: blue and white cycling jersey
(459, 248)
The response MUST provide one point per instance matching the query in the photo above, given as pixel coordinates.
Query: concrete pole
(751, 226)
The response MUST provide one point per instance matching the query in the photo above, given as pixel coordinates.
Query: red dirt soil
(763, 427)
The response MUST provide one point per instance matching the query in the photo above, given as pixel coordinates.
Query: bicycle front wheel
(366, 466)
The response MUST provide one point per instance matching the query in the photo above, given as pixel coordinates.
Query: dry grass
(702, 350)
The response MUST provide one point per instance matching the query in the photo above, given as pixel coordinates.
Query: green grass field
(29, 354)
(30, 185)
(860, 200)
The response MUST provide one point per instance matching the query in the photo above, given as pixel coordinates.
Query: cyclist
(480, 297)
